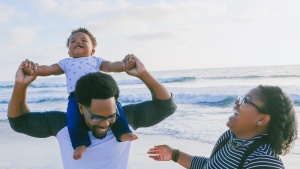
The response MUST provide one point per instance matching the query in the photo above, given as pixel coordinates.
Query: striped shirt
(232, 152)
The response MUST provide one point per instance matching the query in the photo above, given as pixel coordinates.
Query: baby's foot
(128, 137)
(77, 154)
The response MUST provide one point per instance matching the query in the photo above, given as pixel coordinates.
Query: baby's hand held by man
(130, 65)
(28, 71)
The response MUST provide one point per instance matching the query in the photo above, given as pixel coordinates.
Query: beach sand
(19, 151)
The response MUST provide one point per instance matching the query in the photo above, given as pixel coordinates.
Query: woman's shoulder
(265, 150)
(264, 155)
(225, 136)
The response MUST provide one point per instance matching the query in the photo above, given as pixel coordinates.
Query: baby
(81, 45)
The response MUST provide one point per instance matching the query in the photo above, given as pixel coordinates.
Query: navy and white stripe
(232, 152)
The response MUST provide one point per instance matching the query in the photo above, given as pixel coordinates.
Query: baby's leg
(77, 128)
(77, 154)
(121, 129)
(128, 137)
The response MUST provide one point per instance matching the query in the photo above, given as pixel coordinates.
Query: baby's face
(80, 45)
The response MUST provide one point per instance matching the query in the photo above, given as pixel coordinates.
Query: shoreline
(191, 147)
(20, 151)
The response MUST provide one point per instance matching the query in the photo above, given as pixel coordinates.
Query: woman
(263, 126)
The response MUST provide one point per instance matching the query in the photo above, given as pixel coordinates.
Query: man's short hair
(96, 85)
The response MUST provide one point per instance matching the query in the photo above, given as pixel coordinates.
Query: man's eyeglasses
(97, 119)
(242, 99)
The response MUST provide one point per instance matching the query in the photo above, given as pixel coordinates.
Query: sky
(164, 34)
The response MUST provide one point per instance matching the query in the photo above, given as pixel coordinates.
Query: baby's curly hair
(83, 30)
(282, 128)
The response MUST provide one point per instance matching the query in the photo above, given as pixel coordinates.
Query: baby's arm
(44, 70)
(108, 66)
(127, 63)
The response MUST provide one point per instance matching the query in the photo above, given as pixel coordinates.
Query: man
(99, 110)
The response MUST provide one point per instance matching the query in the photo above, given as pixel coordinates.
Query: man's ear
(264, 120)
(81, 109)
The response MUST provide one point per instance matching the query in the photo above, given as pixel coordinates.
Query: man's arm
(157, 90)
(37, 124)
(152, 112)
(149, 113)
(33, 124)
(17, 105)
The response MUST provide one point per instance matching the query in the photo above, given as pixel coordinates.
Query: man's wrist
(144, 74)
(20, 85)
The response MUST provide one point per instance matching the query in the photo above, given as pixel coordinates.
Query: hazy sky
(165, 35)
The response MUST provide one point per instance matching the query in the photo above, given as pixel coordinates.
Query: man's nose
(104, 123)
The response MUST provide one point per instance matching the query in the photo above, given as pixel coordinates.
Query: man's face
(103, 111)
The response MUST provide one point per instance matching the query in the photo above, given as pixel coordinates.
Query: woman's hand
(161, 153)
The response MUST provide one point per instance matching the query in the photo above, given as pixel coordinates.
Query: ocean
(205, 97)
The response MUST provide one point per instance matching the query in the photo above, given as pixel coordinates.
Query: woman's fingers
(157, 158)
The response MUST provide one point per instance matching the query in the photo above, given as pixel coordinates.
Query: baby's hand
(28, 70)
(130, 64)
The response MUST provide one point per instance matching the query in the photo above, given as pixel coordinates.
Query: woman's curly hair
(282, 128)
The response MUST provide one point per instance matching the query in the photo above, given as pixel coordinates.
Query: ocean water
(204, 97)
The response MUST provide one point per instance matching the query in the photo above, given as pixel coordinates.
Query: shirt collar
(235, 143)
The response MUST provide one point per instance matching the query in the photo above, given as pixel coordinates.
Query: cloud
(20, 37)
(176, 35)
(10, 14)
(179, 11)
(76, 9)
(7, 13)
(218, 33)
(154, 19)
(167, 13)
(153, 11)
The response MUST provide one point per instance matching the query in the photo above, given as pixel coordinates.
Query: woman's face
(244, 122)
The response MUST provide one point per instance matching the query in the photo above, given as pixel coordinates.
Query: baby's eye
(72, 41)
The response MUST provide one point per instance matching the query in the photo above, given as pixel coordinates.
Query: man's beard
(99, 135)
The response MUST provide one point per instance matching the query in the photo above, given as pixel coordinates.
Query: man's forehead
(103, 107)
